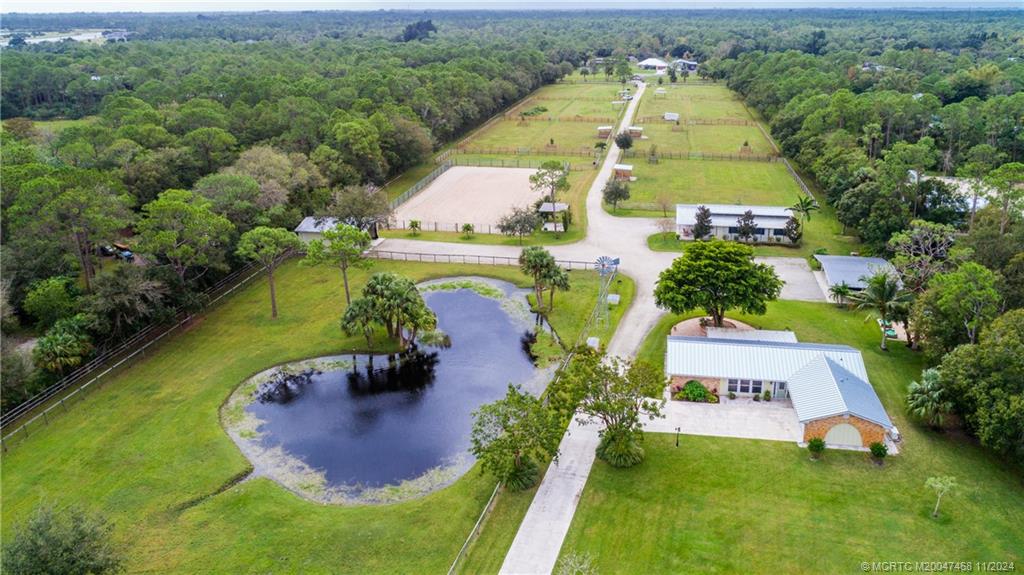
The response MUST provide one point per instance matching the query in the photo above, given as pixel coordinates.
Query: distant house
(851, 270)
(827, 384)
(770, 222)
(688, 65)
(653, 64)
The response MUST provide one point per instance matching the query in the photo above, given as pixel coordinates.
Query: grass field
(55, 126)
(704, 101)
(717, 505)
(537, 135)
(707, 139)
(707, 181)
(148, 450)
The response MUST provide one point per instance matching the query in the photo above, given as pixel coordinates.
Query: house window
(758, 231)
(734, 385)
(744, 386)
(734, 230)
(755, 386)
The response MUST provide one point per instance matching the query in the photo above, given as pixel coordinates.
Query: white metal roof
(311, 224)
(726, 215)
(750, 334)
(599, 128)
(655, 62)
(767, 360)
(623, 166)
(671, 116)
(636, 128)
(850, 269)
(824, 388)
(553, 207)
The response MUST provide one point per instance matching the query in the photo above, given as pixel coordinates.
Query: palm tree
(537, 263)
(804, 206)
(883, 295)
(557, 279)
(927, 399)
(360, 318)
(840, 292)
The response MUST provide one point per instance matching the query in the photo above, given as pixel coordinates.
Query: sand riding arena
(468, 195)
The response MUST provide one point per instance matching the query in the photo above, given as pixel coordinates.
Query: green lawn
(55, 126)
(704, 101)
(537, 135)
(706, 139)
(707, 182)
(149, 442)
(717, 505)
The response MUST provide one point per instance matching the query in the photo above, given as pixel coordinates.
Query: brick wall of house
(869, 432)
(712, 383)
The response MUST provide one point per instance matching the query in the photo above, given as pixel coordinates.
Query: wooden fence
(579, 119)
(55, 399)
(677, 155)
(510, 151)
(516, 163)
(696, 121)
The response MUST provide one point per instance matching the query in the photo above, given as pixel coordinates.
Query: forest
(202, 127)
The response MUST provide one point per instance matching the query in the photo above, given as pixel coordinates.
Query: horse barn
(770, 222)
(827, 385)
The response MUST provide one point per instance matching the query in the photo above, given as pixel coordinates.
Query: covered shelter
(851, 270)
(622, 171)
(671, 117)
(636, 131)
(605, 132)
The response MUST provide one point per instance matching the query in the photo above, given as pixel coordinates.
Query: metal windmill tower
(606, 267)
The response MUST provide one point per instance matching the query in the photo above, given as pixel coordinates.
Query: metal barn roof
(726, 215)
(771, 360)
(751, 334)
(824, 388)
(312, 224)
(850, 269)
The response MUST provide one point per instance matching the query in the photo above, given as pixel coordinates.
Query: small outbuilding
(671, 117)
(552, 207)
(312, 228)
(636, 131)
(851, 270)
(622, 171)
(605, 132)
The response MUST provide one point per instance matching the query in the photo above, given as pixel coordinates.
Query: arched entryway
(843, 434)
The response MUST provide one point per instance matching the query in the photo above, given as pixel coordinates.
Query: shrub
(757, 397)
(523, 477)
(414, 227)
(816, 446)
(694, 391)
(620, 449)
(767, 395)
(878, 451)
(62, 542)
(467, 230)
(732, 395)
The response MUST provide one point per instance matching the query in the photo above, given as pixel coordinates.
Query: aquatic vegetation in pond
(376, 428)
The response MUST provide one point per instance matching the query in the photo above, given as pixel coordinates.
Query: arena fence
(527, 151)
(514, 163)
(424, 182)
(467, 259)
(546, 118)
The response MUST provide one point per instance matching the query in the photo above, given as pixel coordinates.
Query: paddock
(473, 195)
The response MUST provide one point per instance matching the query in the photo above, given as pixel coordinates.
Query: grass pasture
(507, 136)
(704, 101)
(720, 505)
(148, 450)
(704, 138)
(708, 182)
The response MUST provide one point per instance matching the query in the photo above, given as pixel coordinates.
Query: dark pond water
(393, 418)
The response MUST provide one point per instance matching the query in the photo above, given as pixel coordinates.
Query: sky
(42, 6)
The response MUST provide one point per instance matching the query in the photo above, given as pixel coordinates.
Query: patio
(742, 417)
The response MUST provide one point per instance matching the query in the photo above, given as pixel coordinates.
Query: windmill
(606, 267)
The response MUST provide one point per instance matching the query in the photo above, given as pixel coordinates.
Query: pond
(376, 428)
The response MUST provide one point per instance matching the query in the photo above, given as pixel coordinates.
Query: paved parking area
(743, 418)
(800, 282)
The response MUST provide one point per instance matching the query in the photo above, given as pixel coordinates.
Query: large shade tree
(513, 435)
(717, 276)
(182, 229)
(342, 246)
(268, 247)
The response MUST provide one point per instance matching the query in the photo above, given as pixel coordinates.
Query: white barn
(770, 221)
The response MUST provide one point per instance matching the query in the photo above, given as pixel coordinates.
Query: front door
(780, 390)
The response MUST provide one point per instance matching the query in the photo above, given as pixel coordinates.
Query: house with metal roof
(770, 222)
(826, 384)
(653, 64)
(851, 270)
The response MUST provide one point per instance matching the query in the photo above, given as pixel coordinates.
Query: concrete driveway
(800, 282)
(743, 418)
